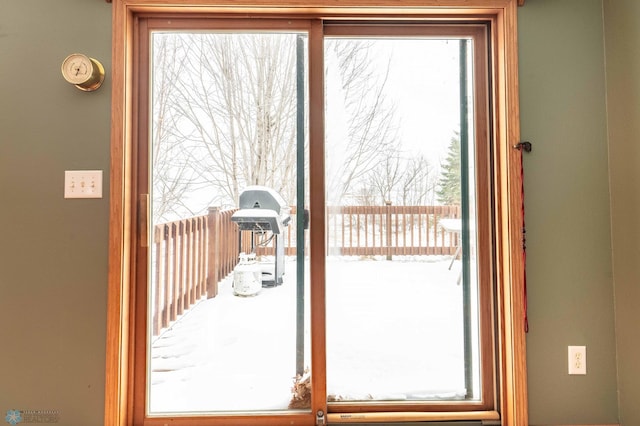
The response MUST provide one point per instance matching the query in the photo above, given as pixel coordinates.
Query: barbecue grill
(264, 213)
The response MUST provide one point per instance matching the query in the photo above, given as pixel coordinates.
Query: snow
(394, 332)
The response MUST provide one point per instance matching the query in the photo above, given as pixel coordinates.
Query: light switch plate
(83, 184)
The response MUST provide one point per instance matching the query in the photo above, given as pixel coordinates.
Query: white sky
(424, 81)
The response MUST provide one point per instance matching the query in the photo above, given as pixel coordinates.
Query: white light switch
(83, 184)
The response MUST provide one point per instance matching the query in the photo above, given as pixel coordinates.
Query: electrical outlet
(577, 360)
(83, 184)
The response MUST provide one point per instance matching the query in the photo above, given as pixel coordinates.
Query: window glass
(402, 281)
(228, 321)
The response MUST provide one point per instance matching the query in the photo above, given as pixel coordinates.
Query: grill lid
(258, 220)
(261, 208)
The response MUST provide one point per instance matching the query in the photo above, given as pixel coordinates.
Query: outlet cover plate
(577, 360)
(83, 184)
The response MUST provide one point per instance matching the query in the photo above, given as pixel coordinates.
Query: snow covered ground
(394, 332)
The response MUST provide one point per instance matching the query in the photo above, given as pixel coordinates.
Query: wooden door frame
(124, 212)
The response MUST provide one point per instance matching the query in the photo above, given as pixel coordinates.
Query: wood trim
(482, 138)
(139, 180)
(510, 297)
(323, 8)
(117, 345)
(318, 221)
(520, 2)
(485, 213)
(337, 28)
(411, 417)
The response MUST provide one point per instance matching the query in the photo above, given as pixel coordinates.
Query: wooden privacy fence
(382, 230)
(191, 256)
(390, 230)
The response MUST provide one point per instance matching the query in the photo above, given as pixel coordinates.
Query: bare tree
(225, 117)
(172, 175)
(386, 177)
(236, 106)
(371, 136)
(402, 180)
(418, 184)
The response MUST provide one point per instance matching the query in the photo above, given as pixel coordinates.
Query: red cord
(524, 243)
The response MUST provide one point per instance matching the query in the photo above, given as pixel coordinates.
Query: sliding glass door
(321, 223)
(228, 166)
(403, 278)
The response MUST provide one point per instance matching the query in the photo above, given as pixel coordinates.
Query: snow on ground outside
(394, 331)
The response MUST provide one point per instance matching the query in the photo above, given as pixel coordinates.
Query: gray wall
(570, 285)
(622, 37)
(53, 252)
(53, 256)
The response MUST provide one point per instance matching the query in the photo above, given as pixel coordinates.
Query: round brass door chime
(85, 73)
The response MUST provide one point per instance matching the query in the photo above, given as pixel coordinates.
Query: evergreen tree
(449, 182)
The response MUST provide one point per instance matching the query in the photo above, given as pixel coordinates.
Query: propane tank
(247, 276)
